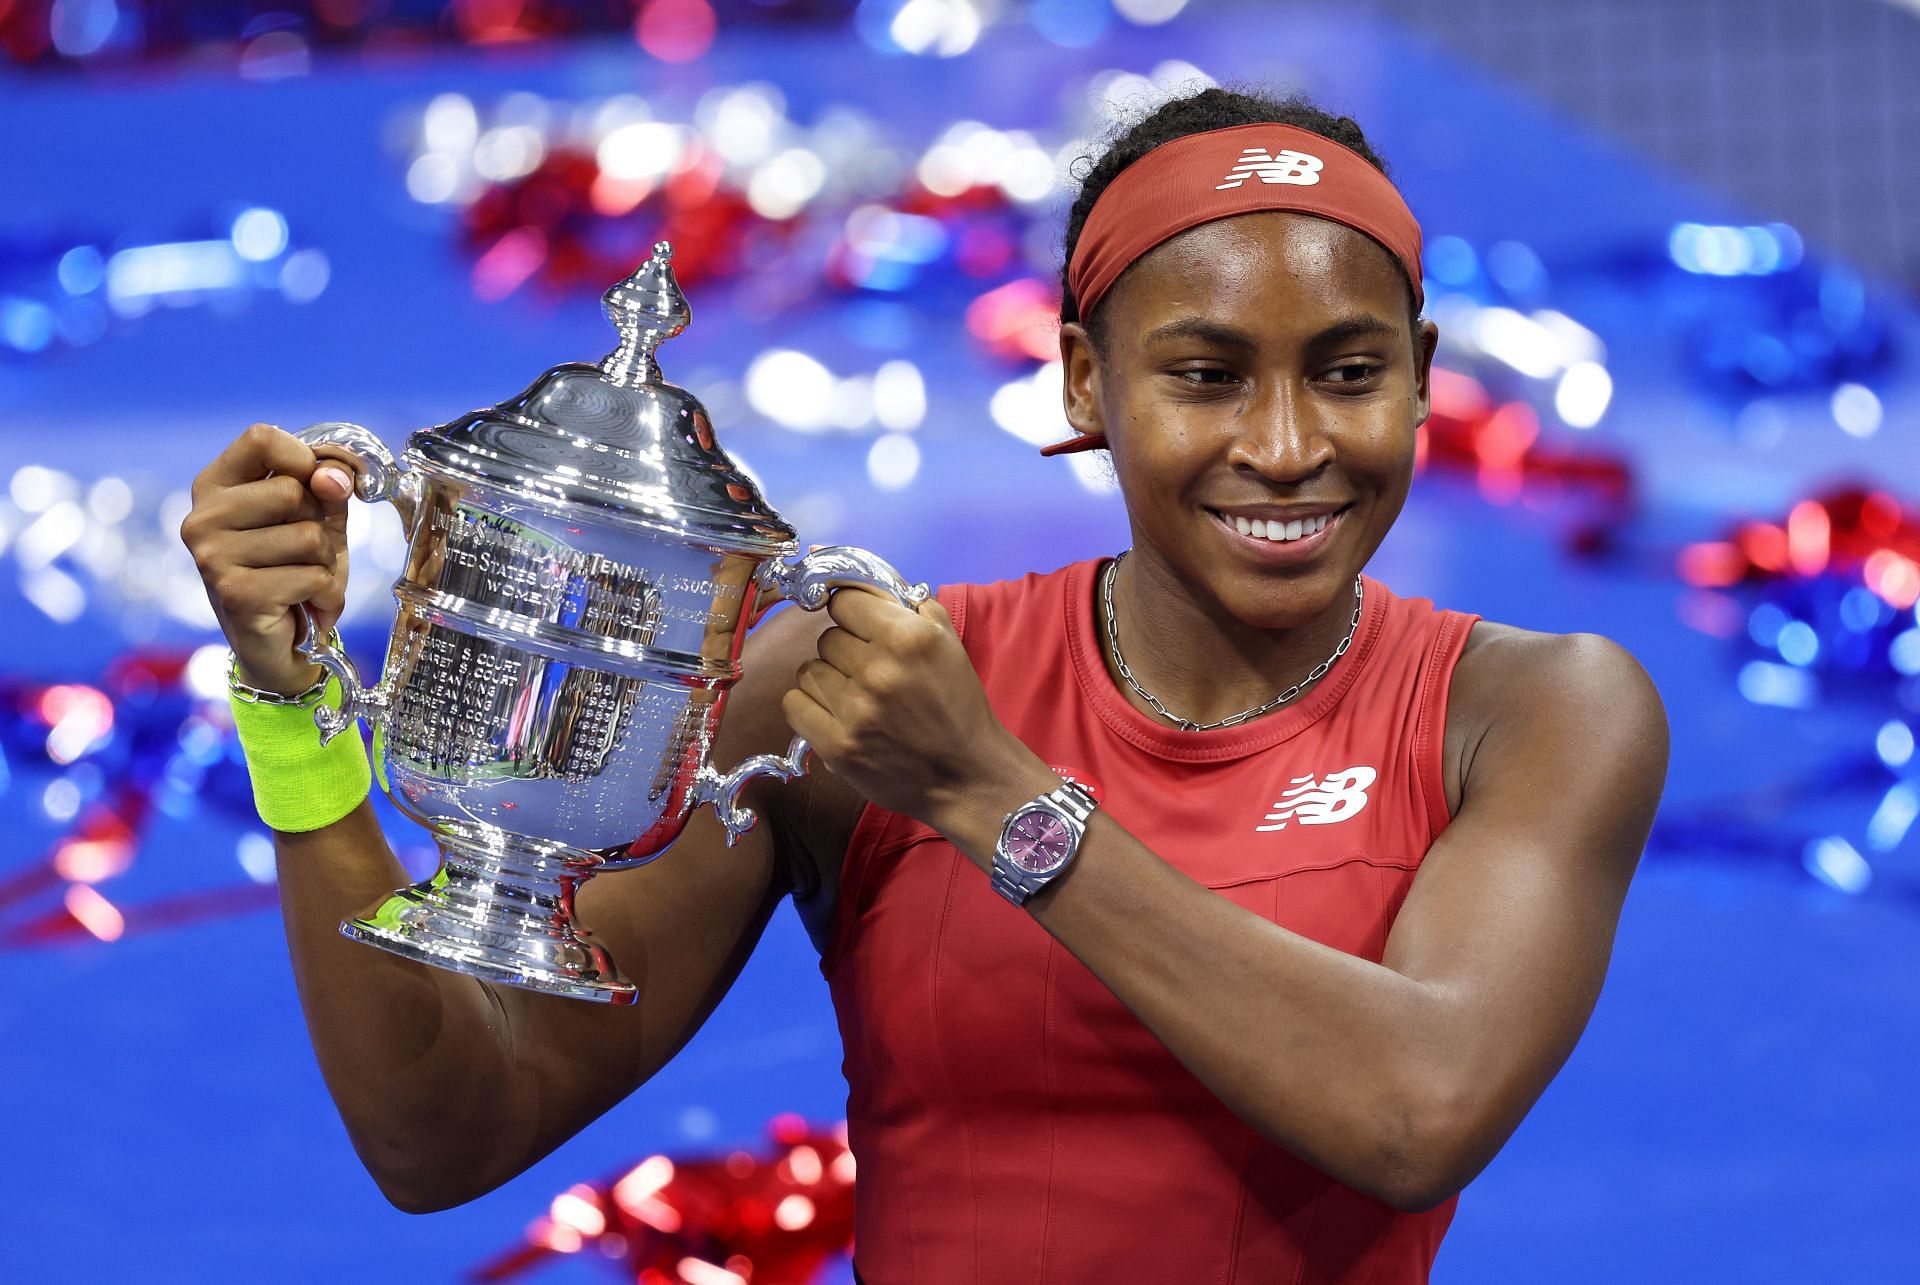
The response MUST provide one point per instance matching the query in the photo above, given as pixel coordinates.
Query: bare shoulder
(1525, 682)
(1504, 664)
(1580, 665)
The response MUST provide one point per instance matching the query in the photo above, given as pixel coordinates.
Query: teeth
(1281, 532)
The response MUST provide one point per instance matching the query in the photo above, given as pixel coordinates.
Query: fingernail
(340, 478)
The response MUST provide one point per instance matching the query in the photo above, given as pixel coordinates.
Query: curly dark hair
(1209, 109)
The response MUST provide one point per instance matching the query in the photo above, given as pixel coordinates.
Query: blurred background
(1672, 251)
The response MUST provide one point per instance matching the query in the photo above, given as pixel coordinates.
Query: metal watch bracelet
(1073, 802)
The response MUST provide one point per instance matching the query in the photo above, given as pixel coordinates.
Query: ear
(1080, 373)
(1425, 340)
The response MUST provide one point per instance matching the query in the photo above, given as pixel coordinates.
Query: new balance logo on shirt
(1334, 797)
(1283, 166)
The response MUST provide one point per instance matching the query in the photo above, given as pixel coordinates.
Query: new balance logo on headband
(1283, 166)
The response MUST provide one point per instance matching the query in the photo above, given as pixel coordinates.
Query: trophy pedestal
(500, 908)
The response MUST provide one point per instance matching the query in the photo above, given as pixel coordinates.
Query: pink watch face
(1038, 841)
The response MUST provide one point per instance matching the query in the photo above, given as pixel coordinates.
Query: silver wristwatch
(1039, 840)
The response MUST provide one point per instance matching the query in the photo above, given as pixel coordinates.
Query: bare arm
(449, 1086)
(1402, 1078)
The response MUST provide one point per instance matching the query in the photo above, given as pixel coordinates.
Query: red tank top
(1012, 1120)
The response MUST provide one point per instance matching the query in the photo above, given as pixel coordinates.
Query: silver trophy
(583, 562)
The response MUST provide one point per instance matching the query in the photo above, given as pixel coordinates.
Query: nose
(1282, 437)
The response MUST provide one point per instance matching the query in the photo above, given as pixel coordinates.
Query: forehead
(1270, 266)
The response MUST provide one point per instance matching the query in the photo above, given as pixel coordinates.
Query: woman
(1208, 913)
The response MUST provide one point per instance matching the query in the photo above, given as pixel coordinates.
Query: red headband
(1216, 175)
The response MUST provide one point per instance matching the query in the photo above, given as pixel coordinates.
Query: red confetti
(773, 1217)
(1853, 530)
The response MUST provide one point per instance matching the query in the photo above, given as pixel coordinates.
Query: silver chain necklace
(1232, 720)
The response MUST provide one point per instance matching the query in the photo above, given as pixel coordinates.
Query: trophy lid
(615, 438)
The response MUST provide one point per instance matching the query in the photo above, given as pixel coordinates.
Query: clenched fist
(268, 530)
(893, 706)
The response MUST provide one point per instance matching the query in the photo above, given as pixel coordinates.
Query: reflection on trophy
(583, 563)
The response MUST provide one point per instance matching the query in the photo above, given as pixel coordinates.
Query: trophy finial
(648, 309)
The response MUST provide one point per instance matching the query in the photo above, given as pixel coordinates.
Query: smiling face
(1260, 383)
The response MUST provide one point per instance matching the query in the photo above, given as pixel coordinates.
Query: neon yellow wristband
(298, 783)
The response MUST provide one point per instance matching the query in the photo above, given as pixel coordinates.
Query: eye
(1353, 372)
(1205, 376)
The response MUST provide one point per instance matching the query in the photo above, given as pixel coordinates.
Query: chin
(1281, 602)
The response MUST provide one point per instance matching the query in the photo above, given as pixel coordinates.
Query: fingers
(808, 718)
(266, 452)
(264, 594)
(872, 626)
(827, 686)
(328, 605)
(842, 650)
(332, 483)
(269, 501)
(935, 610)
(261, 450)
(290, 544)
(864, 613)
(268, 531)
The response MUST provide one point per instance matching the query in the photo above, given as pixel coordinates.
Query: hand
(893, 707)
(268, 529)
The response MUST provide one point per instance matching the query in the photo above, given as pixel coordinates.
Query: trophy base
(500, 908)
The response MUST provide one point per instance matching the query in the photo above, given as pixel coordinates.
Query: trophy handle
(357, 700)
(377, 476)
(808, 582)
(722, 789)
